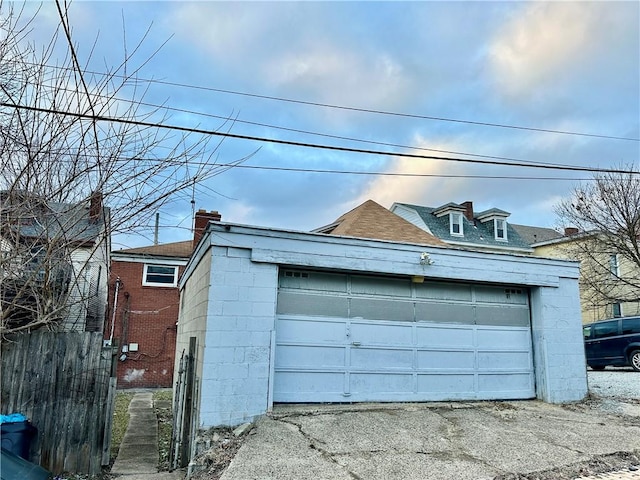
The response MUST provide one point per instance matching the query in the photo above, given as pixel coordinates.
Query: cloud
(420, 190)
(287, 48)
(543, 43)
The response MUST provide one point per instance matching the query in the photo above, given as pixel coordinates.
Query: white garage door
(356, 338)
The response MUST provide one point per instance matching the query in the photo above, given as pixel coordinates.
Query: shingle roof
(50, 220)
(475, 232)
(533, 235)
(372, 220)
(175, 249)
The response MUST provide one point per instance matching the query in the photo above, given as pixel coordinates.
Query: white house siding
(89, 285)
(238, 357)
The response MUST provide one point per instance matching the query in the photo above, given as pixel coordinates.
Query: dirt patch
(596, 465)
(220, 446)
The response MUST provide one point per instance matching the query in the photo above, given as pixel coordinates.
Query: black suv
(614, 342)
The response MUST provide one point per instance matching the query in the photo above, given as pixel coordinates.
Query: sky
(466, 80)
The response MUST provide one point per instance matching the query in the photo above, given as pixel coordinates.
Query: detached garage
(281, 316)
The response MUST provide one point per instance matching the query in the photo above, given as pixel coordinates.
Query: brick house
(144, 303)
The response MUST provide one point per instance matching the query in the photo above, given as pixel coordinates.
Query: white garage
(282, 316)
(352, 337)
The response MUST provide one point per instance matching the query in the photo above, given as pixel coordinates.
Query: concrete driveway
(479, 440)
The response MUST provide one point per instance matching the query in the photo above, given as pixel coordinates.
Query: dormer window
(455, 224)
(500, 228)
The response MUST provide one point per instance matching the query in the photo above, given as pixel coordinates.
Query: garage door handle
(356, 344)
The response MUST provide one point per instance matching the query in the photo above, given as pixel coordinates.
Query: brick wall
(146, 316)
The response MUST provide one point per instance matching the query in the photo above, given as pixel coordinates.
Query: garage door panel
(505, 383)
(499, 315)
(439, 291)
(303, 303)
(445, 360)
(380, 286)
(381, 309)
(372, 333)
(288, 383)
(511, 337)
(380, 358)
(443, 336)
(504, 360)
(366, 383)
(439, 312)
(297, 356)
(309, 331)
(449, 385)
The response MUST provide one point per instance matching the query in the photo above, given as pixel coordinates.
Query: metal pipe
(115, 307)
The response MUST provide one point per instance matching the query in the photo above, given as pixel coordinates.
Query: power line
(309, 145)
(391, 174)
(368, 110)
(325, 135)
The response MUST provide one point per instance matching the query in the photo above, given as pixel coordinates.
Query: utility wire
(308, 145)
(324, 135)
(391, 174)
(368, 110)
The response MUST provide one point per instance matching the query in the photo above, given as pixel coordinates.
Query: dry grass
(163, 405)
(120, 421)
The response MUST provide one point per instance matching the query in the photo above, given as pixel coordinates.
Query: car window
(630, 325)
(586, 331)
(605, 329)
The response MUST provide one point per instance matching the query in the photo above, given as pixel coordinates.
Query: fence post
(185, 446)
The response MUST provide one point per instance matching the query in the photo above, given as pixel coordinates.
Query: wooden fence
(65, 385)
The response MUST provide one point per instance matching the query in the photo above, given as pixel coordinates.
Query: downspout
(115, 308)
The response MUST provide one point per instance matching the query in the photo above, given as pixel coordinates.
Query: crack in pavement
(313, 444)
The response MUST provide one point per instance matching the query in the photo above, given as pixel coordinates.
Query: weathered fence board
(62, 383)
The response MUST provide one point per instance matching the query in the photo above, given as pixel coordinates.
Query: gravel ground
(621, 383)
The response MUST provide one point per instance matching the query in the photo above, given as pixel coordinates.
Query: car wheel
(597, 367)
(635, 360)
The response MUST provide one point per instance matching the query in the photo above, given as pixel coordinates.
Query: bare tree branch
(607, 214)
(63, 160)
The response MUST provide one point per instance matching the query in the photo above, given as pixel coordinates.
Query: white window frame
(145, 283)
(614, 265)
(496, 221)
(617, 314)
(456, 216)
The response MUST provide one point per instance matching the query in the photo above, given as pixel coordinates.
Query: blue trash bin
(13, 467)
(15, 434)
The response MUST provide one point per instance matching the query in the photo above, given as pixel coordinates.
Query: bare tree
(606, 214)
(82, 156)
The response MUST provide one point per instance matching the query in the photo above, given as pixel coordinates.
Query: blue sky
(567, 66)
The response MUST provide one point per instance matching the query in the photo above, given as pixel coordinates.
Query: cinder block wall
(235, 374)
(558, 346)
(151, 323)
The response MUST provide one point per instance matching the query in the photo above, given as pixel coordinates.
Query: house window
(617, 310)
(456, 224)
(614, 265)
(160, 276)
(500, 228)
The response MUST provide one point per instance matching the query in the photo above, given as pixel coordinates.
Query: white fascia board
(150, 259)
(325, 251)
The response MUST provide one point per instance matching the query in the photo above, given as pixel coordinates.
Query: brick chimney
(95, 207)
(568, 231)
(201, 221)
(468, 210)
